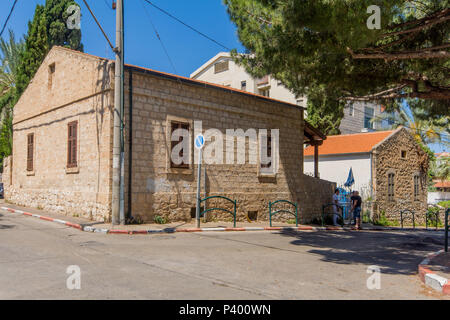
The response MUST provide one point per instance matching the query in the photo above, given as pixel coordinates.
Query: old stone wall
(401, 155)
(159, 190)
(80, 91)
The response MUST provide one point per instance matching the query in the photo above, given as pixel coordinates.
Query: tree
(48, 28)
(10, 52)
(36, 48)
(56, 12)
(327, 43)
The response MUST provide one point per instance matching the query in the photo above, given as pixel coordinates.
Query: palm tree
(10, 52)
(412, 117)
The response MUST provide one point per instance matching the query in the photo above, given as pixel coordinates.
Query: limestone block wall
(387, 158)
(159, 190)
(46, 111)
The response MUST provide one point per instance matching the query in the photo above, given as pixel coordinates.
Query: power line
(159, 38)
(98, 24)
(186, 25)
(7, 19)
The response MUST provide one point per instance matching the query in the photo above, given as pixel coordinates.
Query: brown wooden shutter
(30, 151)
(175, 126)
(72, 144)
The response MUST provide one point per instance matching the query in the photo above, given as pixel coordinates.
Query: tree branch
(427, 53)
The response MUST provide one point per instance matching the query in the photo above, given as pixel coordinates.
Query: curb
(431, 279)
(190, 230)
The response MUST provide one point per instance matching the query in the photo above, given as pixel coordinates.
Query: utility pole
(118, 148)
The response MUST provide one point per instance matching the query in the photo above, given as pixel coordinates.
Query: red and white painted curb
(173, 230)
(430, 278)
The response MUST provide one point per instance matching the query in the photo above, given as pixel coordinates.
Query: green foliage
(48, 28)
(307, 45)
(160, 220)
(445, 204)
(383, 221)
(57, 32)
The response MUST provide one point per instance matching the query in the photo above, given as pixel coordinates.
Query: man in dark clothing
(356, 208)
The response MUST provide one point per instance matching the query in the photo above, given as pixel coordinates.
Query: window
(72, 144)
(351, 111)
(391, 177)
(243, 85)
(300, 102)
(264, 92)
(403, 154)
(182, 138)
(368, 115)
(51, 73)
(267, 152)
(30, 152)
(416, 187)
(221, 66)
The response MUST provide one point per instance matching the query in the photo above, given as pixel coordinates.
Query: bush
(383, 221)
(160, 220)
(445, 204)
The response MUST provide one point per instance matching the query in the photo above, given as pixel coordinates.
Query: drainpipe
(130, 141)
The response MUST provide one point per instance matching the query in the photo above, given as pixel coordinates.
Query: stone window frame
(32, 171)
(262, 174)
(73, 169)
(401, 154)
(169, 169)
(389, 197)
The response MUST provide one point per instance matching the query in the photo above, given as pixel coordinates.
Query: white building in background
(339, 153)
(222, 70)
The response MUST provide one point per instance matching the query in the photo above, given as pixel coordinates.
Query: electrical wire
(9, 16)
(186, 25)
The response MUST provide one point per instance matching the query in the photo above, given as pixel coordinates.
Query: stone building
(389, 167)
(62, 145)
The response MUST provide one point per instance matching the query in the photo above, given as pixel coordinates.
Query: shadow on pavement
(394, 253)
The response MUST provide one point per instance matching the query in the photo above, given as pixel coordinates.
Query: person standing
(335, 206)
(356, 209)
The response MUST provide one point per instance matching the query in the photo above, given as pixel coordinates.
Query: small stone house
(63, 139)
(389, 168)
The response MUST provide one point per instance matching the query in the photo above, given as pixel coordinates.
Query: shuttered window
(72, 144)
(391, 177)
(174, 126)
(221, 66)
(30, 151)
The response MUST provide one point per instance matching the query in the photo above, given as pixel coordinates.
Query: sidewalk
(434, 271)
(182, 226)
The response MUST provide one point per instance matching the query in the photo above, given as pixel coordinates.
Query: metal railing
(430, 212)
(271, 213)
(233, 213)
(405, 212)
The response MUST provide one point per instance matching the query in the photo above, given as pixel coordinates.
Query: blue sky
(187, 49)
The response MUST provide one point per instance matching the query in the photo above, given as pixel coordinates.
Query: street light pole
(117, 174)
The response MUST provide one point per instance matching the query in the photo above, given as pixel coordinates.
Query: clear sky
(187, 49)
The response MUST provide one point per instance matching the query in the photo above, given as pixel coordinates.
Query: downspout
(130, 141)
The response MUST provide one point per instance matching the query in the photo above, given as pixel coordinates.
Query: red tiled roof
(349, 143)
(442, 184)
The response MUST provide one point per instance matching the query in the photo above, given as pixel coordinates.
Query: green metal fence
(233, 213)
(432, 211)
(404, 214)
(324, 214)
(271, 213)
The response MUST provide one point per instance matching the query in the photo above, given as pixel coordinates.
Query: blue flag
(350, 180)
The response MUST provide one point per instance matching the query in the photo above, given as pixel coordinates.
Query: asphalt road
(35, 255)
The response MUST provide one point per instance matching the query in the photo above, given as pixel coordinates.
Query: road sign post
(199, 143)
